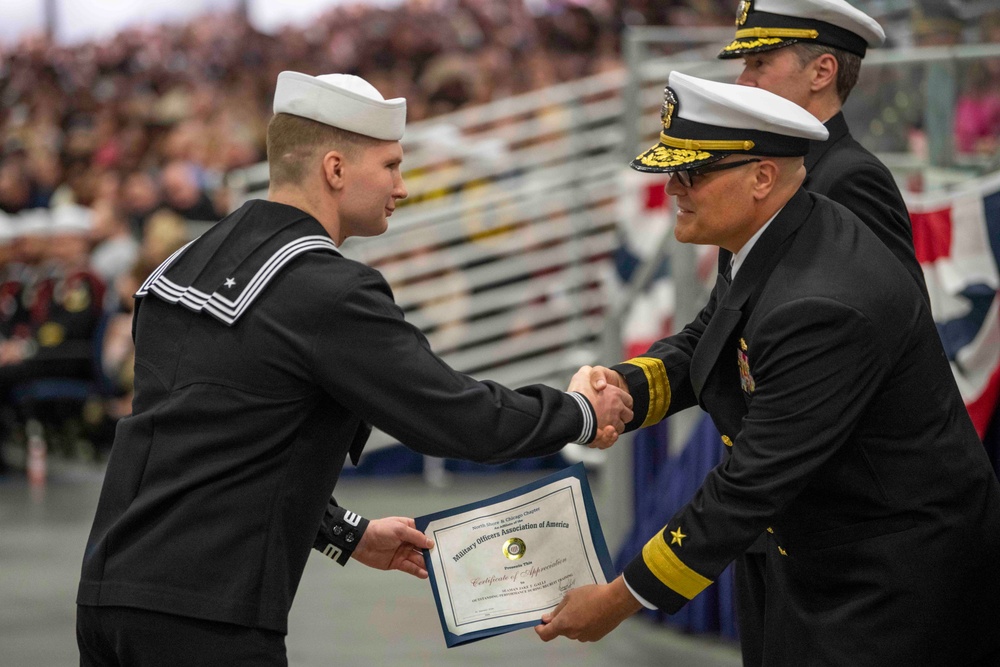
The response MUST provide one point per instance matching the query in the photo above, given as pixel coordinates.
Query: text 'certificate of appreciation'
(499, 564)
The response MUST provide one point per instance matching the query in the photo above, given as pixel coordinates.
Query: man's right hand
(612, 402)
(601, 377)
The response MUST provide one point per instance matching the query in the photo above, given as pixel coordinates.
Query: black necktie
(727, 274)
(723, 282)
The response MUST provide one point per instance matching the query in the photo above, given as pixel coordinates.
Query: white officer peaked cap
(71, 219)
(704, 121)
(344, 101)
(764, 25)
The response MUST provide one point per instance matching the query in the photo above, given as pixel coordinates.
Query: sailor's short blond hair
(293, 142)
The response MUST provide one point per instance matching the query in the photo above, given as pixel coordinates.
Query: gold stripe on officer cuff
(788, 33)
(699, 145)
(668, 568)
(659, 388)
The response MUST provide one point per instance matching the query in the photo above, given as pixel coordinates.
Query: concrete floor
(344, 616)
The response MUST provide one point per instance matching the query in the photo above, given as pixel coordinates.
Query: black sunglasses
(686, 176)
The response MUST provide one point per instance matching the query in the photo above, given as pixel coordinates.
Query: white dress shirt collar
(740, 257)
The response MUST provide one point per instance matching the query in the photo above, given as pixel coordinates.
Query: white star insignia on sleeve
(230, 282)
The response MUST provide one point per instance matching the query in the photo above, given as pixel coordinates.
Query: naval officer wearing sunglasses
(846, 440)
(686, 176)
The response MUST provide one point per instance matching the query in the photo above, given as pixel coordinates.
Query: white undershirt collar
(740, 256)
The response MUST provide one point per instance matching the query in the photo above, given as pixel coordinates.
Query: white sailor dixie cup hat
(704, 121)
(7, 231)
(344, 101)
(71, 220)
(764, 25)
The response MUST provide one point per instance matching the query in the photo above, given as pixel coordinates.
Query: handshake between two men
(607, 392)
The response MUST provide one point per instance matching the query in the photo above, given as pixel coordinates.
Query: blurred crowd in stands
(111, 153)
(977, 113)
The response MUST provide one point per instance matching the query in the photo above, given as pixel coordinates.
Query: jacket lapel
(752, 276)
(837, 127)
(359, 441)
(718, 331)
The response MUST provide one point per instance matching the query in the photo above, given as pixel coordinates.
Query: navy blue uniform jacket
(847, 172)
(849, 447)
(255, 375)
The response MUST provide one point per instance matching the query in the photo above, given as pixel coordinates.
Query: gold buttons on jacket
(782, 551)
(726, 441)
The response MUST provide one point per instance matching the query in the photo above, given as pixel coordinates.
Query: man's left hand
(393, 543)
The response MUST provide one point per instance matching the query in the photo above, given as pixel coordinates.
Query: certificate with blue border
(497, 565)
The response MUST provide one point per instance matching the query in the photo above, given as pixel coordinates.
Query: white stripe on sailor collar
(218, 306)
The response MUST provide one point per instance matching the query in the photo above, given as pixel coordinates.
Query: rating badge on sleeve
(746, 380)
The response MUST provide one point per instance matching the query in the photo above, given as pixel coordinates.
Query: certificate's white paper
(502, 563)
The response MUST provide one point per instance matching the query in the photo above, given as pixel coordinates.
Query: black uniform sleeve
(871, 194)
(815, 369)
(381, 367)
(659, 380)
(339, 533)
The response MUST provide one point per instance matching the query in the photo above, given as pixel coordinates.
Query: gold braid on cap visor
(767, 37)
(702, 145)
(660, 156)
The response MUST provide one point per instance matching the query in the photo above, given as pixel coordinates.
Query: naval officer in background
(810, 52)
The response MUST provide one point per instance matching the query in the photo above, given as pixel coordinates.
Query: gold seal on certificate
(499, 564)
(513, 548)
